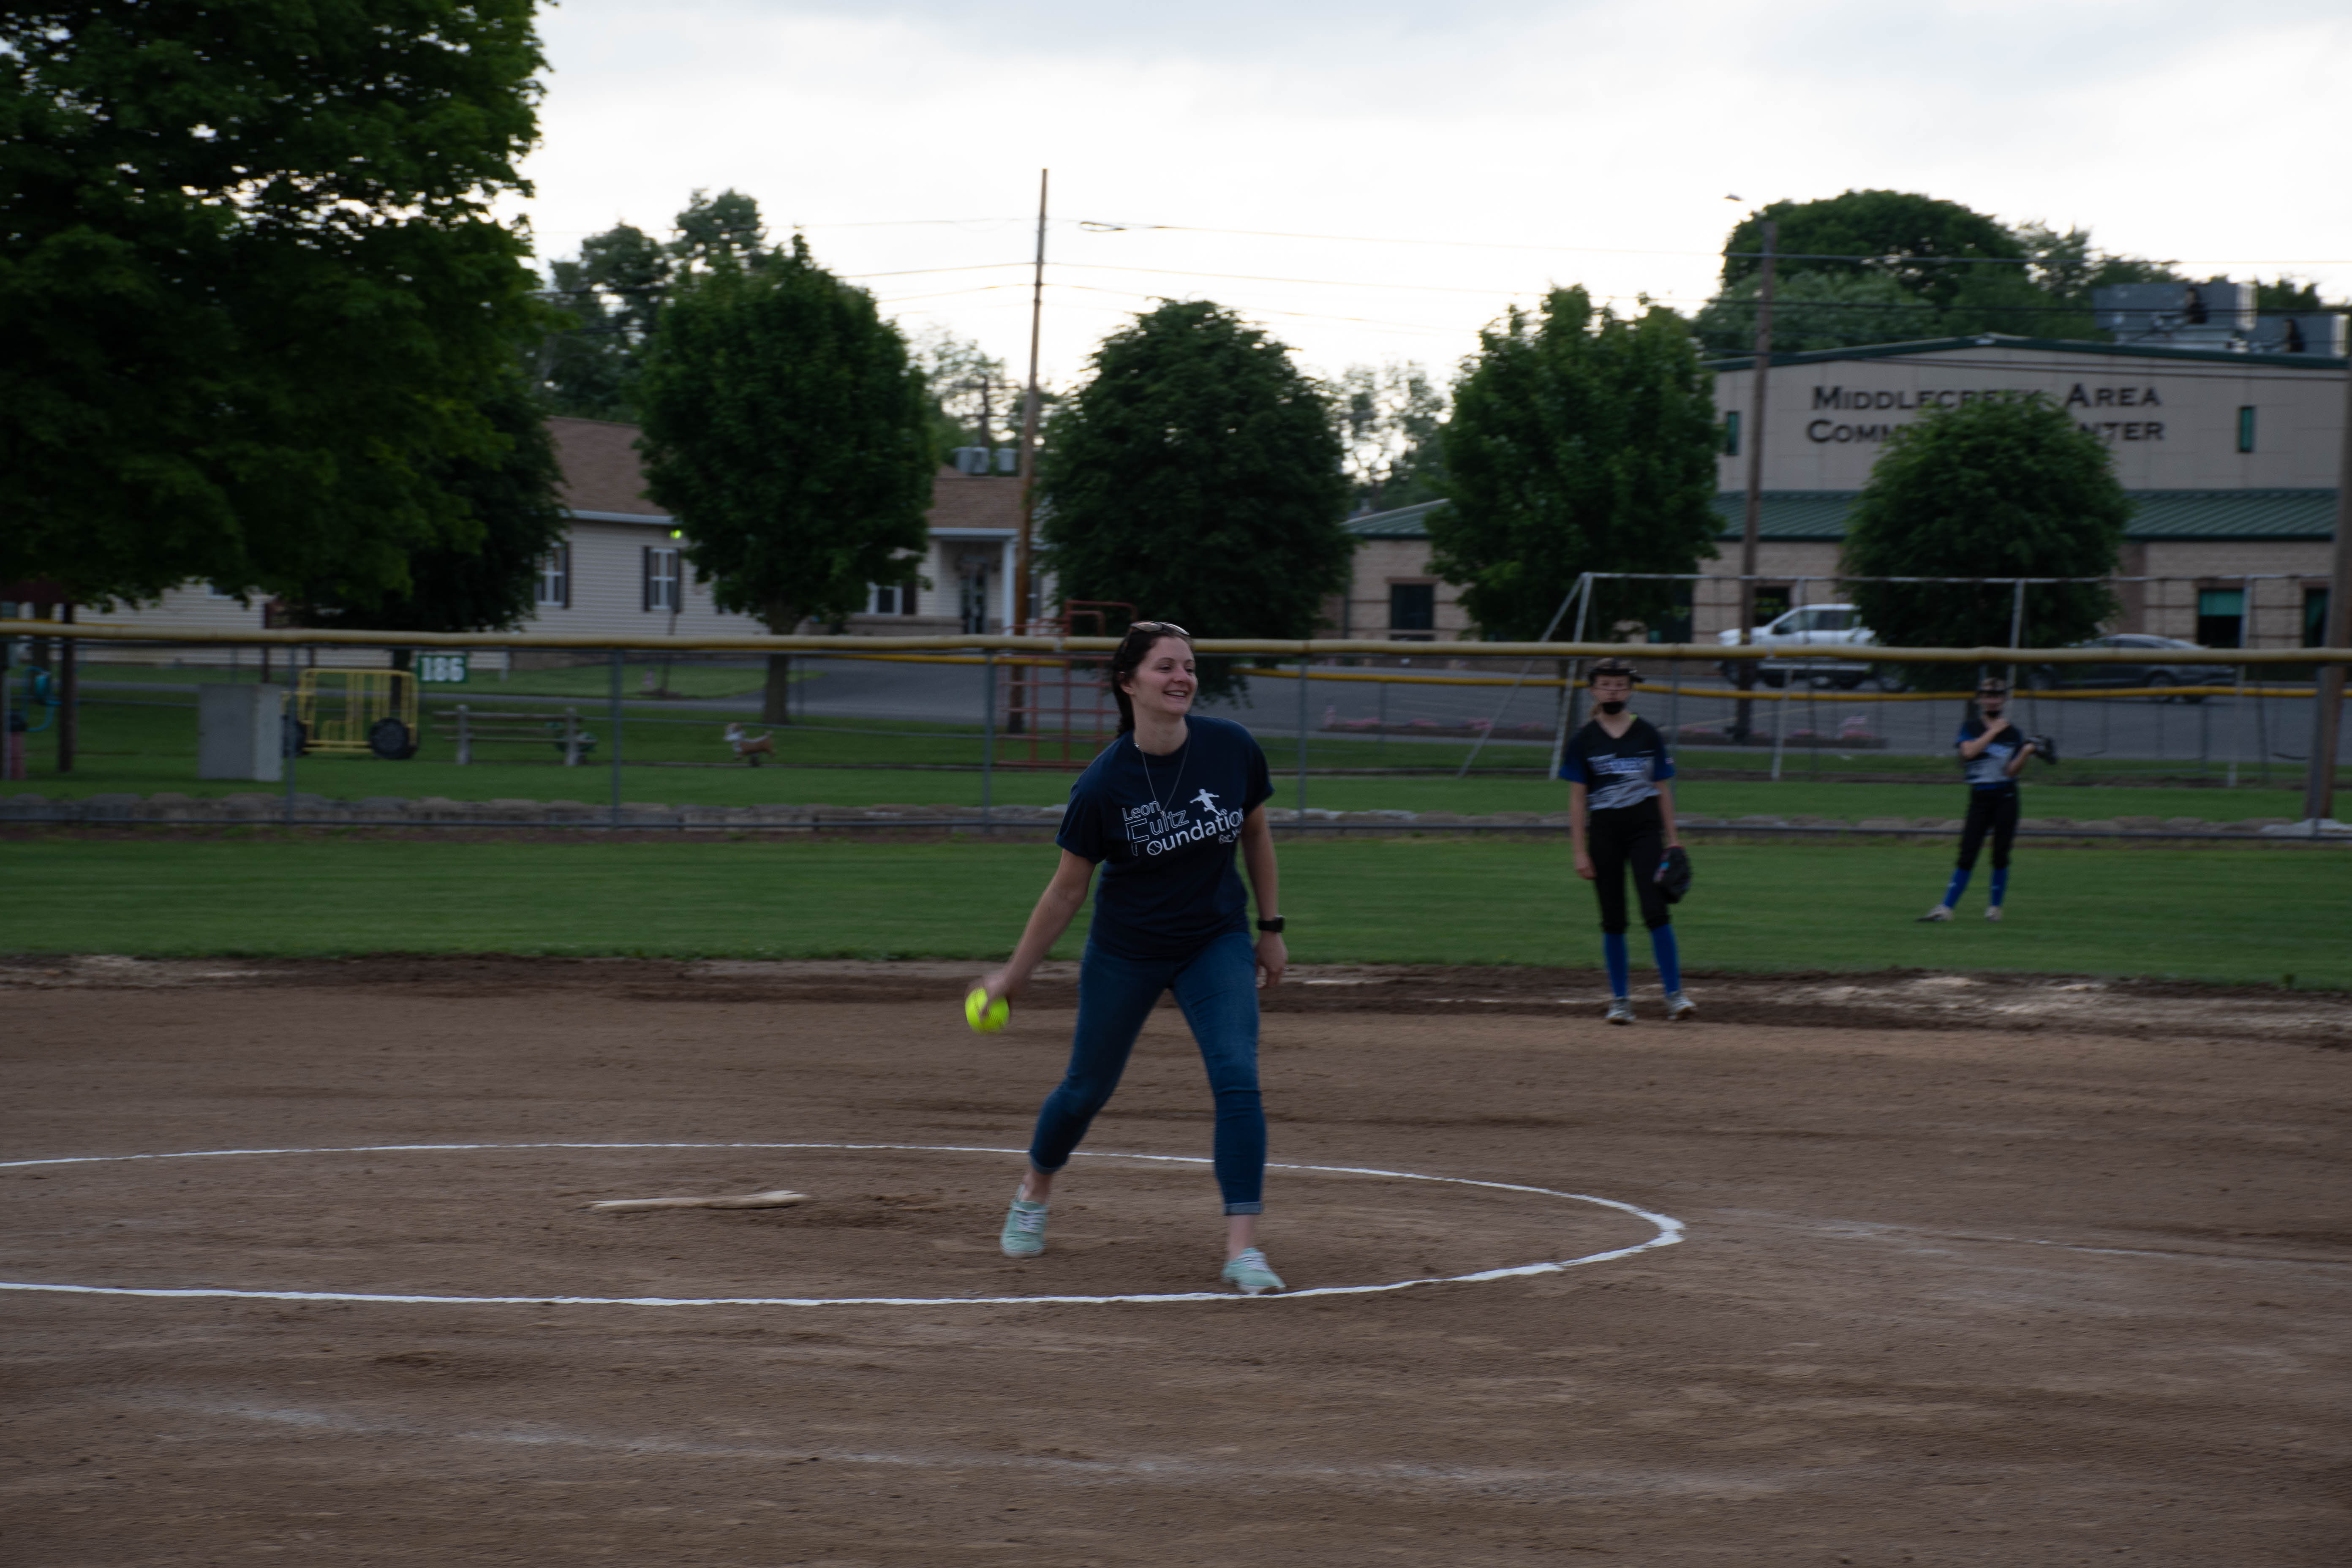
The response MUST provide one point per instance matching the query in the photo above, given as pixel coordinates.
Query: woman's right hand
(999, 986)
(1584, 866)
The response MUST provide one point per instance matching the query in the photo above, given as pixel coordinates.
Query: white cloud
(1610, 132)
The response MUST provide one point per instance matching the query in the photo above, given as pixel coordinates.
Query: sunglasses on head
(1155, 627)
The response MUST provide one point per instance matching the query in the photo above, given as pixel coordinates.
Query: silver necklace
(1181, 764)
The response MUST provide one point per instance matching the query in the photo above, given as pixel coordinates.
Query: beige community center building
(2230, 459)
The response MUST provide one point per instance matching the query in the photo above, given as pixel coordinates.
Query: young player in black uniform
(1621, 817)
(1992, 755)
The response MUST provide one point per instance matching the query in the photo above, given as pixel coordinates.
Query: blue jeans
(1217, 988)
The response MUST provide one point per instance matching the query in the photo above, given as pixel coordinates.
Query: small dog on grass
(750, 748)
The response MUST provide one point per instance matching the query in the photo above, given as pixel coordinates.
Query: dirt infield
(1976, 1272)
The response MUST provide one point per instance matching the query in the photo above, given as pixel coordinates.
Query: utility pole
(2327, 689)
(1023, 609)
(1752, 512)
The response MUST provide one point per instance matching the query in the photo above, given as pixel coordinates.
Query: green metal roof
(1822, 514)
(2333, 364)
(2156, 514)
(1404, 522)
(2231, 514)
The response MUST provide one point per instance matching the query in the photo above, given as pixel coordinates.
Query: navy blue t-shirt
(1163, 830)
(1617, 770)
(1988, 769)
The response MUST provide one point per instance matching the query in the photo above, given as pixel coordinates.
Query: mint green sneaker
(1248, 1272)
(1024, 1229)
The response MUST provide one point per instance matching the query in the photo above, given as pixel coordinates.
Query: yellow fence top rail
(1259, 647)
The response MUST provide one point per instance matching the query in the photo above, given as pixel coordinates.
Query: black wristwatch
(1274, 925)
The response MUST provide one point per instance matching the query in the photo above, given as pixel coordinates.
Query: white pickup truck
(1808, 626)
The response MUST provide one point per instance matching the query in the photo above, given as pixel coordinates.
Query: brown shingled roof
(602, 472)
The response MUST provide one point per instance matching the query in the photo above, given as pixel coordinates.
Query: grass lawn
(147, 747)
(2238, 915)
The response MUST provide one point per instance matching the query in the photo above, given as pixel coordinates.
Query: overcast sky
(1445, 160)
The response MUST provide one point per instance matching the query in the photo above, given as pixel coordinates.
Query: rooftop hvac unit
(2299, 335)
(971, 459)
(2187, 312)
(1008, 460)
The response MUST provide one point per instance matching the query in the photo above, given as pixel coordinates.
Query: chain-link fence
(589, 731)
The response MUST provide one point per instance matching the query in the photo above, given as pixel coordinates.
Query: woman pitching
(1621, 817)
(1160, 810)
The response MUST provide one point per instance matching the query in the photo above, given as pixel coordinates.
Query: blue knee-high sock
(1613, 951)
(2000, 885)
(1669, 956)
(1959, 885)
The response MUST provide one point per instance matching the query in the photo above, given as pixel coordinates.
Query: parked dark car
(2168, 662)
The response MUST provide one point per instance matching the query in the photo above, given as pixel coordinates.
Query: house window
(1731, 432)
(2220, 617)
(554, 590)
(893, 599)
(661, 579)
(1412, 607)
(2245, 429)
(2314, 618)
(1772, 602)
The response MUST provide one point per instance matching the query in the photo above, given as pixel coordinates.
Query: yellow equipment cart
(358, 713)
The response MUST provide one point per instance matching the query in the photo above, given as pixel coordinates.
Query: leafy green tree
(1887, 265)
(2067, 268)
(613, 291)
(511, 497)
(1816, 311)
(974, 403)
(1581, 442)
(1196, 475)
(2285, 295)
(1390, 414)
(2007, 299)
(1991, 488)
(787, 433)
(715, 230)
(1928, 245)
(250, 283)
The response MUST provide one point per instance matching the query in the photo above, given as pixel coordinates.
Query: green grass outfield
(148, 746)
(2232, 915)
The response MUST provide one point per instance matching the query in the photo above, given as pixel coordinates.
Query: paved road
(2123, 729)
(2132, 729)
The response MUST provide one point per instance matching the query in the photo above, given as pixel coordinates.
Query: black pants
(1991, 811)
(1634, 839)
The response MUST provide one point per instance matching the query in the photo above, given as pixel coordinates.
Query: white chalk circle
(1669, 1232)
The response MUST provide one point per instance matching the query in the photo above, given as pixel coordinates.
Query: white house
(621, 570)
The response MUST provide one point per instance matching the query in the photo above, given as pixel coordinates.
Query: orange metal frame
(1060, 704)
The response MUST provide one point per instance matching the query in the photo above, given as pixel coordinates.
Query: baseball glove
(1674, 875)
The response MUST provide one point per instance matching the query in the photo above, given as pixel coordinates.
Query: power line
(1104, 228)
(1269, 311)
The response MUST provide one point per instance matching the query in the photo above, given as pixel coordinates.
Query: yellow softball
(981, 1015)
